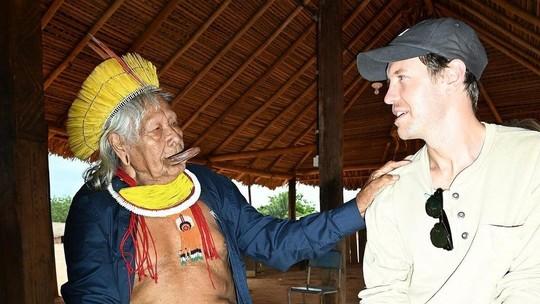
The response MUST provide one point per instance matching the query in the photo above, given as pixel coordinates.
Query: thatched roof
(243, 73)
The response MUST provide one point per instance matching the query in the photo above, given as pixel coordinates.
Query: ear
(120, 148)
(455, 73)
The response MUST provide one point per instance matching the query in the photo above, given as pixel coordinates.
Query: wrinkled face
(160, 137)
(417, 100)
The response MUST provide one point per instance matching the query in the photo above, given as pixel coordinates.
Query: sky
(66, 179)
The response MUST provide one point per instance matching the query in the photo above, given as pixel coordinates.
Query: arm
(91, 271)
(282, 243)
(387, 268)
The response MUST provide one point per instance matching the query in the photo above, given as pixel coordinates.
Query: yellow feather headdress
(111, 84)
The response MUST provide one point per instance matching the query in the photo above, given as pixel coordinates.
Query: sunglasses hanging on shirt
(441, 236)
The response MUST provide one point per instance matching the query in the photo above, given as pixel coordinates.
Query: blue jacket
(96, 224)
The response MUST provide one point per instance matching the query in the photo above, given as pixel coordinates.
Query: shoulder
(393, 201)
(414, 170)
(514, 147)
(93, 212)
(514, 138)
(95, 202)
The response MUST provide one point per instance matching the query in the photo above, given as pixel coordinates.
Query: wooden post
(330, 115)
(249, 191)
(251, 264)
(26, 239)
(292, 198)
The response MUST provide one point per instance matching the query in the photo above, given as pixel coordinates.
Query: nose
(391, 95)
(175, 136)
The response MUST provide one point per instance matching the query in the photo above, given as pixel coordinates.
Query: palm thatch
(244, 73)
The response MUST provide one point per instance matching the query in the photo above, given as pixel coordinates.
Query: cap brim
(372, 64)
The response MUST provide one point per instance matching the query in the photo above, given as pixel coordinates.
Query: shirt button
(464, 235)
(461, 214)
(455, 195)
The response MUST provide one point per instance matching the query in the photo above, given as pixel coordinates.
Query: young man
(462, 223)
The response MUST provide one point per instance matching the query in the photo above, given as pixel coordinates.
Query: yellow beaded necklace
(159, 200)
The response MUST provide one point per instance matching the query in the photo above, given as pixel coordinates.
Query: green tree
(279, 206)
(60, 208)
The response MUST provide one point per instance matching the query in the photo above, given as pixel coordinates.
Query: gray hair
(126, 123)
(436, 63)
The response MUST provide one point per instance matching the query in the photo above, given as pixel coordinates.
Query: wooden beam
(368, 27)
(51, 11)
(294, 122)
(154, 26)
(312, 11)
(221, 53)
(314, 83)
(330, 117)
(490, 103)
(357, 167)
(346, 109)
(356, 96)
(304, 158)
(274, 97)
(292, 199)
(299, 138)
(500, 45)
(350, 67)
(428, 4)
(301, 114)
(80, 46)
(348, 106)
(249, 193)
(260, 153)
(269, 102)
(170, 62)
(287, 110)
(494, 26)
(508, 50)
(349, 178)
(519, 12)
(307, 91)
(357, 11)
(506, 19)
(26, 239)
(268, 174)
(242, 68)
(238, 103)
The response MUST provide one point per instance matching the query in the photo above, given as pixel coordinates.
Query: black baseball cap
(446, 37)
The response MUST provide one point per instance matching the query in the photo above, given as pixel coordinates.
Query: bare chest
(192, 261)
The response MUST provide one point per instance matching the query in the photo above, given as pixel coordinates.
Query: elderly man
(462, 223)
(182, 229)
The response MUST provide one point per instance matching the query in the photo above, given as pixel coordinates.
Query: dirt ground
(271, 286)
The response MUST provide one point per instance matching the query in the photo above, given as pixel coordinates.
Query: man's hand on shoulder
(378, 180)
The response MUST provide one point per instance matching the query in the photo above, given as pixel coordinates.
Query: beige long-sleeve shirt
(493, 207)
